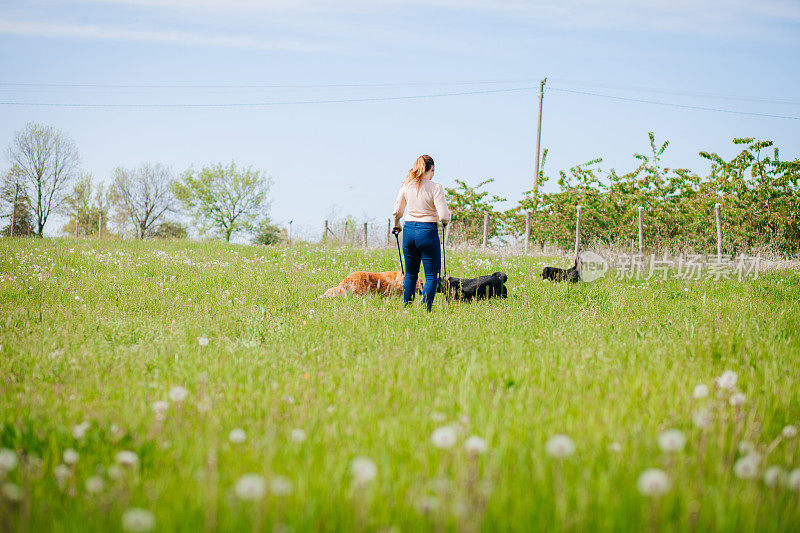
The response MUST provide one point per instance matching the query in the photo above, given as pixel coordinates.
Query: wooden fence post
(485, 228)
(577, 231)
(325, 233)
(719, 232)
(76, 225)
(100, 226)
(389, 233)
(641, 230)
(527, 230)
(365, 235)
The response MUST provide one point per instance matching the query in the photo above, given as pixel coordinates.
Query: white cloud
(97, 32)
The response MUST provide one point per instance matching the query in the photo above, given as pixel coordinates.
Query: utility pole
(538, 144)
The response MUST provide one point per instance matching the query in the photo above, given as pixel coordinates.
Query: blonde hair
(422, 165)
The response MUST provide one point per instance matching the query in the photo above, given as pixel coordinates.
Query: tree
(467, 205)
(171, 230)
(142, 196)
(268, 233)
(15, 206)
(224, 199)
(86, 209)
(47, 161)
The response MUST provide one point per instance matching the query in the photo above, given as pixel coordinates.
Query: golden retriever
(360, 283)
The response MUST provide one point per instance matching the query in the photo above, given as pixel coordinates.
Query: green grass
(98, 331)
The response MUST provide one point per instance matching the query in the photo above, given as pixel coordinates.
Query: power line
(259, 86)
(265, 104)
(670, 104)
(673, 92)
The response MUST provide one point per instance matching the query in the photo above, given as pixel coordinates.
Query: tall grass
(99, 331)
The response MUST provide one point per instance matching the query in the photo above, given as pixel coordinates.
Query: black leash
(444, 255)
(397, 240)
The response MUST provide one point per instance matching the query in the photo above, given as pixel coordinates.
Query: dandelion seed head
(701, 418)
(297, 435)
(12, 492)
(138, 520)
(160, 407)
(444, 437)
(94, 484)
(774, 475)
(653, 482)
(250, 487)
(789, 432)
(363, 469)
(79, 430)
(671, 441)
(700, 391)
(737, 399)
(746, 467)
(127, 458)
(61, 473)
(475, 445)
(746, 447)
(8, 460)
(615, 447)
(281, 486)
(177, 394)
(559, 446)
(202, 340)
(793, 480)
(70, 456)
(727, 380)
(237, 436)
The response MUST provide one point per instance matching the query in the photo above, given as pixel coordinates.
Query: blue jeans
(421, 243)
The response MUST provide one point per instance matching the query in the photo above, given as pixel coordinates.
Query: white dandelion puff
(297, 435)
(363, 469)
(746, 447)
(701, 418)
(12, 492)
(671, 441)
(475, 445)
(202, 340)
(281, 486)
(138, 520)
(127, 458)
(159, 408)
(774, 475)
(94, 484)
(444, 437)
(727, 380)
(747, 466)
(615, 447)
(789, 432)
(793, 480)
(237, 436)
(700, 391)
(79, 430)
(559, 446)
(250, 487)
(61, 473)
(737, 399)
(70, 456)
(653, 482)
(177, 394)
(115, 472)
(8, 460)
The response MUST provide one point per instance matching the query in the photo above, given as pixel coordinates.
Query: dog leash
(397, 240)
(444, 255)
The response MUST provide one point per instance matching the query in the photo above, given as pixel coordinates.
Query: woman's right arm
(441, 204)
(399, 206)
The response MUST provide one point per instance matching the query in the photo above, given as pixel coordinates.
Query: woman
(426, 206)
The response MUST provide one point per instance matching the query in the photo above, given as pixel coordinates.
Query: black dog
(572, 274)
(468, 288)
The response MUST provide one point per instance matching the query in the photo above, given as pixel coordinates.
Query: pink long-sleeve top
(425, 203)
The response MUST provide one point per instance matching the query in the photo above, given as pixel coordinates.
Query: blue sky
(350, 157)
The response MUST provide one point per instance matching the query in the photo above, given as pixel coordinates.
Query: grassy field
(103, 350)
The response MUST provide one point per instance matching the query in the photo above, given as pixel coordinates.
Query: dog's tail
(501, 275)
